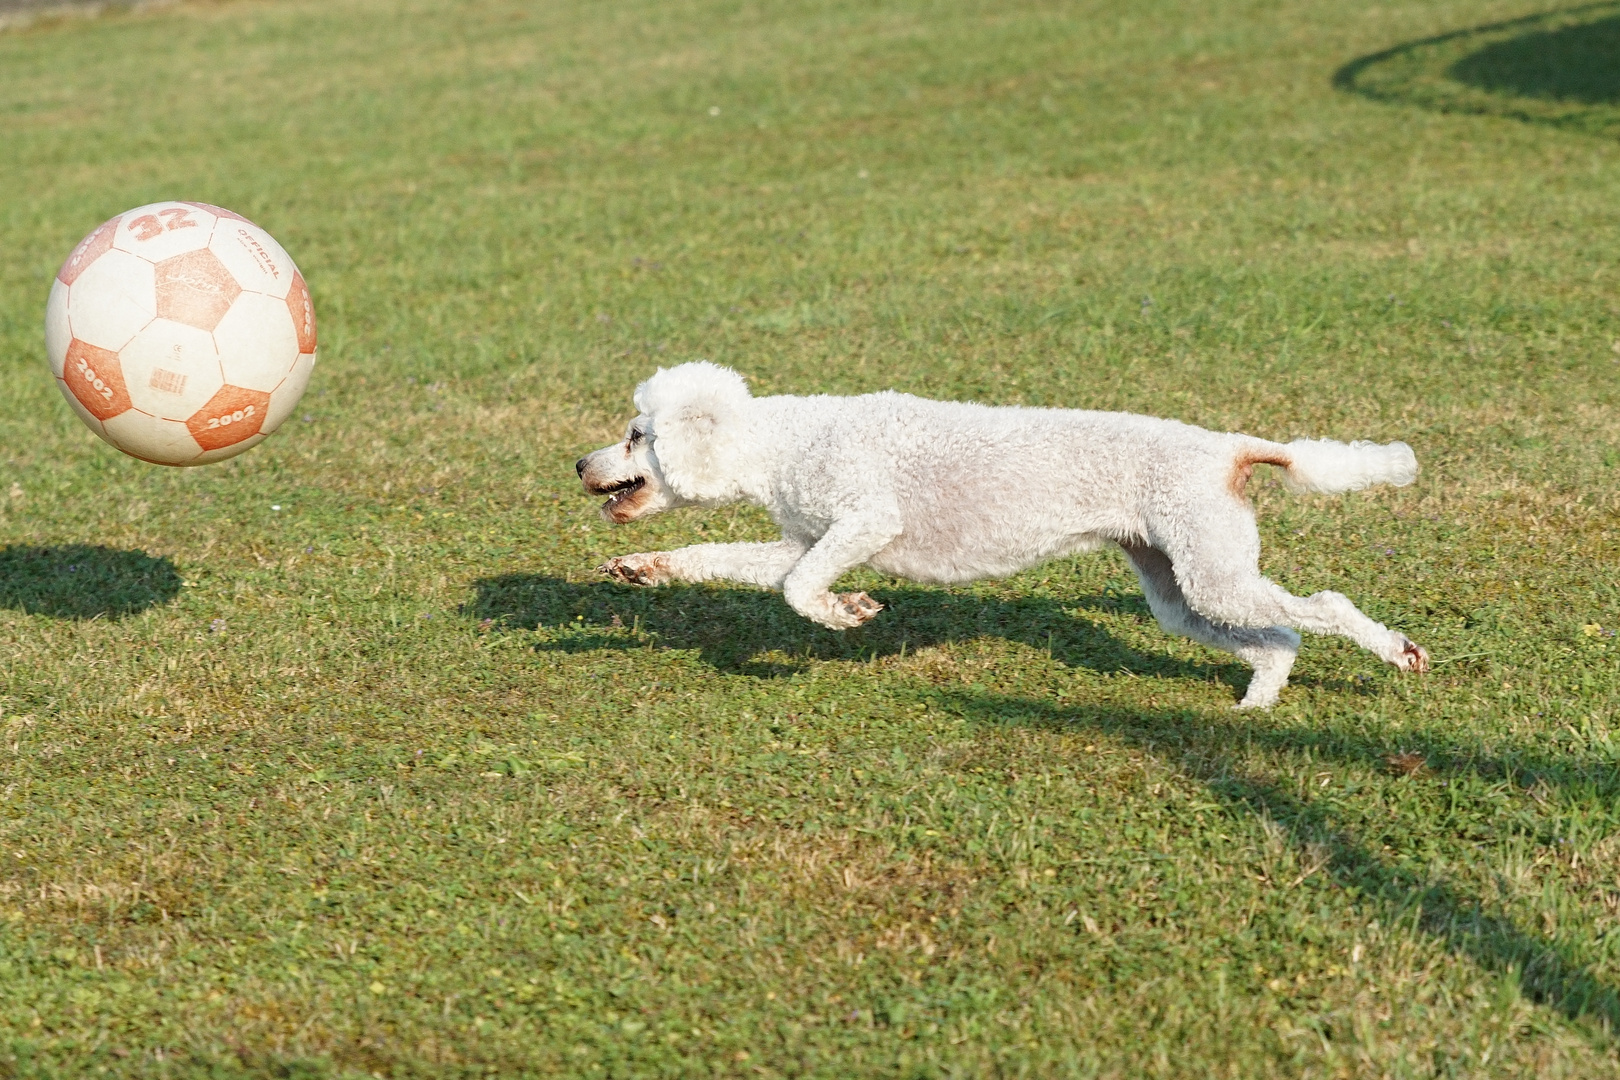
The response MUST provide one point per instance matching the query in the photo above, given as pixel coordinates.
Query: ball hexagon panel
(258, 262)
(195, 289)
(303, 313)
(232, 415)
(111, 301)
(163, 230)
(162, 442)
(95, 379)
(257, 342)
(88, 251)
(57, 331)
(171, 369)
(284, 398)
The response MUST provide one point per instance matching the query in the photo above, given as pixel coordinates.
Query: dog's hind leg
(1216, 567)
(748, 564)
(1269, 650)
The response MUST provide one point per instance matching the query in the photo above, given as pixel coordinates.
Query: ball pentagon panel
(195, 289)
(88, 250)
(303, 313)
(94, 377)
(229, 417)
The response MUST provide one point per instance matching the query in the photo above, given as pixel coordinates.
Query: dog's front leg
(747, 564)
(851, 541)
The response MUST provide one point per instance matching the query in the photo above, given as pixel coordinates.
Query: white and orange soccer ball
(181, 333)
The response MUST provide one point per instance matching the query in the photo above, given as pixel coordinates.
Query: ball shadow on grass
(1560, 68)
(82, 581)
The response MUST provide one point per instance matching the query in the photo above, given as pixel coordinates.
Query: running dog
(941, 491)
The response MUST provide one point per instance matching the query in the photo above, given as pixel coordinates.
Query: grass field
(386, 782)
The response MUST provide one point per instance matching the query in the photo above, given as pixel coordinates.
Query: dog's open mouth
(621, 491)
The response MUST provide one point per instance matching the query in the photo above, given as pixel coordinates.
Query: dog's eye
(636, 435)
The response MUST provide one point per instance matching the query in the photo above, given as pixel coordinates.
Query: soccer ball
(181, 333)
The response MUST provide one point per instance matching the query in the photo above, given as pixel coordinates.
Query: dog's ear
(696, 410)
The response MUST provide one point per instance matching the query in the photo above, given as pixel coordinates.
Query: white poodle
(953, 491)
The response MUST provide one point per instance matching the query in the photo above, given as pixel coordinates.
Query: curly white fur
(953, 491)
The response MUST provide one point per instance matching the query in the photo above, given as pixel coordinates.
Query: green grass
(386, 782)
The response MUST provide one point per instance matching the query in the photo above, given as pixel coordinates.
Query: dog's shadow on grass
(744, 631)
(1217, 750)
(83, 581)
(753, 632)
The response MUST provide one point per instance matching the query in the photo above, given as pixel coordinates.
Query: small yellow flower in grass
(1591, 629)
(378, 988)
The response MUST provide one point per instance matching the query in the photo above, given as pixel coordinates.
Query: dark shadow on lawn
(1560, 68)
(733, 627)
(80, 581)
(1547, 971)
(730, 627)
(1572, 63)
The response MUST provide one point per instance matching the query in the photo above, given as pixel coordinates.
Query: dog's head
(682, 449)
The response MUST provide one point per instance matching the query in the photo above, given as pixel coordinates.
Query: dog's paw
(844, 611)
(649, 568)
(1411, 656)
(1259, 697)
(1406, 654)
(857, 606)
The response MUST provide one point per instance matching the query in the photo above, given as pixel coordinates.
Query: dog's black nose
(579, 467)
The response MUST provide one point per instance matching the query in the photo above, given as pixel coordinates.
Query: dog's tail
(1327, 466)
